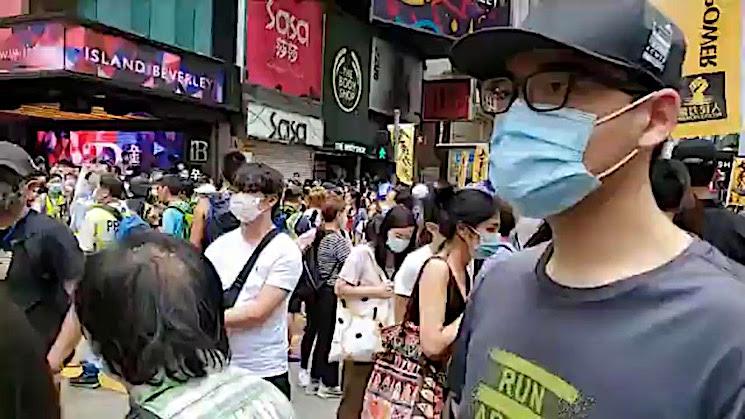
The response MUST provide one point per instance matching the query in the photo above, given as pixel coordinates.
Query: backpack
(188, 214)
(129, 222)
(310, 279)
(219, 218)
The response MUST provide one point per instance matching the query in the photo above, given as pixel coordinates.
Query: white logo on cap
(658, 47)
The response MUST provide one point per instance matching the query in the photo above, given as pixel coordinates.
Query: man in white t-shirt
(257, 323)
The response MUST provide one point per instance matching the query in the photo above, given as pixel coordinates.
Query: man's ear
(664, 108)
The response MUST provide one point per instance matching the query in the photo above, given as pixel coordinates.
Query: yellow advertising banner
(481, 163)
(462, 177)
(736, 192)
(711, 85)
(404, 149)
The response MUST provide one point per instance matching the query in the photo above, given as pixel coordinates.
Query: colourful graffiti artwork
(452, 18)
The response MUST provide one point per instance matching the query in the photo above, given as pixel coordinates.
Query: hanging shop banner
(115, 58)
(346, 83)
(481, 163)
(460, 165)
(284, 45)
(276, 125)
(404, 151)
(395, 81)
(448, 100)
(453, 18)
(28, 47)
(711, 85)
(736, 191)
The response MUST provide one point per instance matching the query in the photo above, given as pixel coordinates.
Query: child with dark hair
(152, 308)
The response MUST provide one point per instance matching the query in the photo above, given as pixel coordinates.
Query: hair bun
(444, 194)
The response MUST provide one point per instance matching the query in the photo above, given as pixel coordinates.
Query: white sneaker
(328, 392)
(303, 378)
(312, 388)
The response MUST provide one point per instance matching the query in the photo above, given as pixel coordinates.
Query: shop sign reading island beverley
(56, 46)
(346, 90)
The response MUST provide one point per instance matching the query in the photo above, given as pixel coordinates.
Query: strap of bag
(410, 305)
(230, 295)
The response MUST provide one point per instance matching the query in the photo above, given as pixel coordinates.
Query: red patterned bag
(404, 383)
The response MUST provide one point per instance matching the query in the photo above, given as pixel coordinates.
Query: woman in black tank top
(441, 292)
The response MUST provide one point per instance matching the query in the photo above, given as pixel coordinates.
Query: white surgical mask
(397, 244)
(245, 207)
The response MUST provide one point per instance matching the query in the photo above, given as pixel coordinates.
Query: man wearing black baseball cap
(719, 226)
(45, 260)
(623, 315)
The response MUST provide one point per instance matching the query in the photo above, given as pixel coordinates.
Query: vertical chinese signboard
(453, 18)
(404, 151)
(711, 85)
(284, 45)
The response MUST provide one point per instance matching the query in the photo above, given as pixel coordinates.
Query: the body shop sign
(116, 58)
(284, 45)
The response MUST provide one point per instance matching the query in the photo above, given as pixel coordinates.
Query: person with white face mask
(621, 302)
(257, 321)
(432, 242)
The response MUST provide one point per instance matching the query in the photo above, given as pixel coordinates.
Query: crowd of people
(593, 269)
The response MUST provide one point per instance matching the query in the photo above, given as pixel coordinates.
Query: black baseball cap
(16, 159)
(630, 34)
(700, 157)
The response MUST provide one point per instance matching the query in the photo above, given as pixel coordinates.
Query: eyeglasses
(548, 90)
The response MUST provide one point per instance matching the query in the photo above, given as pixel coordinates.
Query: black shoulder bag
(230, 295)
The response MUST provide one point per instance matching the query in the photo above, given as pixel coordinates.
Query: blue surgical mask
(537, 162)
(489, 243)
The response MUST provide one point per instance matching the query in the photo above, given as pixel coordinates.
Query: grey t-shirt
(669, 343)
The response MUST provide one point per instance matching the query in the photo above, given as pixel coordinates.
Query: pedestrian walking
(366, 306)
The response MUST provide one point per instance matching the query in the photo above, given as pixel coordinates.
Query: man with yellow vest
(101, 222)
(55, 203)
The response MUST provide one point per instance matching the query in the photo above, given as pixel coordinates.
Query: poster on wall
(453, 18)
(346, 84)
(144, 149)
(481, 163)
(395, 81)
(460, 166)
(112, 57)
(711, 87)
(284, 45)
(736, 190)
(404, 151)
(31, 47)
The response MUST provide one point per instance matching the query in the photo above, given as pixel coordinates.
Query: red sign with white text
(284, 45)
(447, 100)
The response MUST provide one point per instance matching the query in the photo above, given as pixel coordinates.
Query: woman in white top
(366, 292)
(432, 241)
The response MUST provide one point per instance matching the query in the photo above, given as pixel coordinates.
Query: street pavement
(107, 404)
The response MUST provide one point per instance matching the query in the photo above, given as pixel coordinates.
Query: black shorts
(295, 303)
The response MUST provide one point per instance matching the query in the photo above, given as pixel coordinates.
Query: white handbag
(358, 325)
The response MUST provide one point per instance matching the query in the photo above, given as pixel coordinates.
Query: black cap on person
(630, 34)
